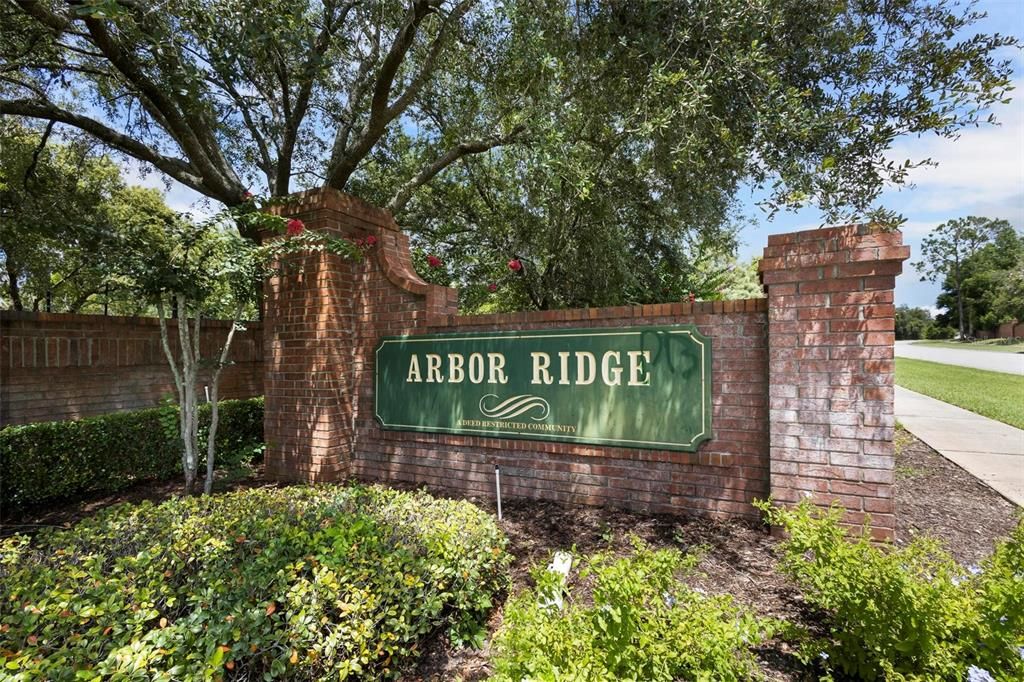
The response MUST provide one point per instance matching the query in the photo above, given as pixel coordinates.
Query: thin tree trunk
(179, 382)
(188, 402)
(211, 438)
(959, 299)
(12, 284)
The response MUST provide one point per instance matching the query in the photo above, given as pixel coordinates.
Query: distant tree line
(980, 263)
(917, 323)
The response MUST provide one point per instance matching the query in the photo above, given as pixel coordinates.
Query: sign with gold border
(637, 387)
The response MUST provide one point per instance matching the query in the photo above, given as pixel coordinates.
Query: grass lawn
(996, 395)
(997, 345)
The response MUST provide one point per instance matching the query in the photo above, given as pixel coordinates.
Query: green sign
(640, 387)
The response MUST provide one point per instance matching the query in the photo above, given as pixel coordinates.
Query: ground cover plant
(300, 582)
(996, 395)
(639, 622)
(910, 613)
(65, 460)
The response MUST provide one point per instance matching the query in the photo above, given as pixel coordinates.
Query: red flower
(434, 261)
(295, 227)
(492, 287)
(515, 265)
(371, 241)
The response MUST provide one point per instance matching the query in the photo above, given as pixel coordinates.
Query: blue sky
(980, 173)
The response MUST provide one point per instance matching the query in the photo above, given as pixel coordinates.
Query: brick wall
(56, 366)
(324, 321)
(1010, 330)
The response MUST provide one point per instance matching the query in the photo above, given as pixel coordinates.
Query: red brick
(103, 364)
(780, 378)
(853, 355)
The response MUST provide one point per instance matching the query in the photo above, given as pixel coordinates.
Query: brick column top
(830, 246)
(325, 208)
(330, 199)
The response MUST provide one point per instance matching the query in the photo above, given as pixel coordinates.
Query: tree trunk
(12, 284)
(211, 436)
(179, 383)
(188, 405)
(959, 299)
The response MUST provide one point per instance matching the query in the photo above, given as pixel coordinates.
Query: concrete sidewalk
(991, 450)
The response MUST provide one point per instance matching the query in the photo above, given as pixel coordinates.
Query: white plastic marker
(497, 485)
(207, 393)
(561, 563)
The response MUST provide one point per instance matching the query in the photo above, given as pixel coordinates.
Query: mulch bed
(933, 496)
(937, 497)
(63, 516)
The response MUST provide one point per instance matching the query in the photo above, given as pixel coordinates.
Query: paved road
(995, 361)
(990, 450)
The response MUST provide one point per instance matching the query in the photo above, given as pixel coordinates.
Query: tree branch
(31, 170)
(297, 114)
(180, 170)
(183, 129)
(405, 99)
(462, 149)
(361, 84)
(165, 343)
(381, 111)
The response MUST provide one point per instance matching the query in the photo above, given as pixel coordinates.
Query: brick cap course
(327, 198)
(129, 320)
(857, 243)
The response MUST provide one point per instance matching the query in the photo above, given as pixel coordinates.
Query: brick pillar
(323, 317)
(831, 328)
(311, 311)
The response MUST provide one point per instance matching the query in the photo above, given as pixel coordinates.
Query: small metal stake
(497, 486)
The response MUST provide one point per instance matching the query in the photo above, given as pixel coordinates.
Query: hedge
(69, 459)
(300, 583)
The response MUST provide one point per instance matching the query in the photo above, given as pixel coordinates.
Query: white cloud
(980, 172)
(913, 229)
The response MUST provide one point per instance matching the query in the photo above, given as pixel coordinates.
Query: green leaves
(171, 592)
(53, 460)
(643, 624)
(904, 613)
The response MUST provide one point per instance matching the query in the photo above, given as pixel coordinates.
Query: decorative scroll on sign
(642, 387)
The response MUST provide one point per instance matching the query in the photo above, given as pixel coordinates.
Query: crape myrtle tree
(196, 268)
(595, 142)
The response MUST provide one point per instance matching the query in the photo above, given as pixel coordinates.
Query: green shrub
(68, 459)
(642, 624)
(934, 331)
(302, 582)
(910, 613)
